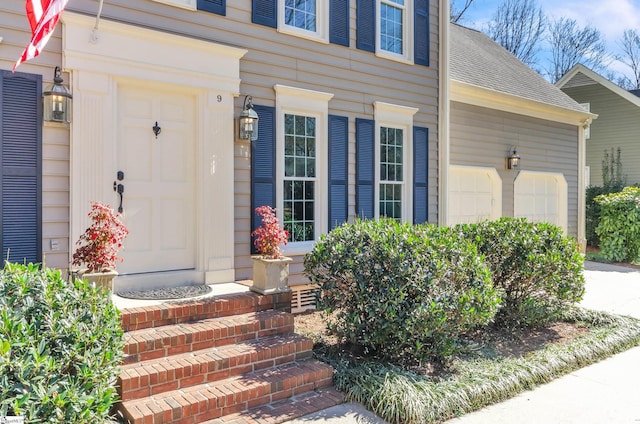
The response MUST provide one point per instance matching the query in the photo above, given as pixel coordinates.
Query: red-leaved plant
(269, 237)
(99, 245)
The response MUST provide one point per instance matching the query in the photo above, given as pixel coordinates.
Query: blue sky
(611, 17)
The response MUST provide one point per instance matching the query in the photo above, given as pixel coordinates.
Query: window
(393, 29)
(299, 177)
(302, 166)
(391, 172)
(304, 18)
(393, 153)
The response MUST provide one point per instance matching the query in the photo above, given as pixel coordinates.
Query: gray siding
(618, 125)
(356, 78)
(483, 137)
(55, 138)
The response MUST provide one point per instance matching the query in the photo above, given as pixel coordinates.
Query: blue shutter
(366, 25)
(263, 164)
(339, 22)
(421, 32)
(265, 12)
(338, 170)
(21, 159)
(214, 6)
(420, 174)
(365, 178)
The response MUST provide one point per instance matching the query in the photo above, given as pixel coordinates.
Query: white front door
(158, 178)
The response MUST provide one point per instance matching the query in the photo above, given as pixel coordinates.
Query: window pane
(300, 166)
(391, 27)
(300, 14)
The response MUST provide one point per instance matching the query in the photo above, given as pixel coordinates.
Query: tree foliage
(519, 26)
(459, 8)
(572, 44)
(630, 45)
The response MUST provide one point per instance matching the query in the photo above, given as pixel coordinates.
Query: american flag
(43, 16)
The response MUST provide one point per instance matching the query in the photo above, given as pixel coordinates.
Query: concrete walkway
(604, 393)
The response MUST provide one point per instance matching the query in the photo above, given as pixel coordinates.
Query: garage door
(475, 194)
(541, 197)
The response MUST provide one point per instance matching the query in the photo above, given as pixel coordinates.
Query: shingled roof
(478, 60)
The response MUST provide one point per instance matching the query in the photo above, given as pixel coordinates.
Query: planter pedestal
(270, 275)
(103, 280)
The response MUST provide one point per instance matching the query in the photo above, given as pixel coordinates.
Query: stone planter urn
(270, 275)
(103, 280)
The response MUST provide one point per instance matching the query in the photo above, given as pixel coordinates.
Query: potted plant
(98, 246)
(271, 267)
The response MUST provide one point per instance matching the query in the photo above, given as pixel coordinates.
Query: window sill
(184, 4)
(308, 35)
(298, 248)
(394, 57)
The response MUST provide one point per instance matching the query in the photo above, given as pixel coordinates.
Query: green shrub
(619, 227)
(592, 218)
(60, 347)
(403, 292)
(535, 266)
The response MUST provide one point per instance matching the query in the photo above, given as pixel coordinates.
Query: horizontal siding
(618, 125)
(356, 78)
(483, 137)
(16, 35)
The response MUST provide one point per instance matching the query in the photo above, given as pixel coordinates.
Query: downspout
(443, 114)
(582, 185)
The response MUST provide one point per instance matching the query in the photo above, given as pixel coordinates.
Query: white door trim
(125, 53)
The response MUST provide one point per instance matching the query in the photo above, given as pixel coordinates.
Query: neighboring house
(498, 104)
(618, 123)
(346, 91)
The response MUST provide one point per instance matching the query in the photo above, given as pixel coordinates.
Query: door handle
(119, 188)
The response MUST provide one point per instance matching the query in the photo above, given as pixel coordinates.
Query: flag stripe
(43, 15)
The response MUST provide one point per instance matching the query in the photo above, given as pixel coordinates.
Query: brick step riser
(139, 318)
(159, 377)
(192, 338)
(202, 403)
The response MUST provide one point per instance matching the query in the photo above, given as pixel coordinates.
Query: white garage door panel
(475, 194)
(541, 197)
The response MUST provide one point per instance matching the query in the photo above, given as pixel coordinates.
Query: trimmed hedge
(537, 269)
(619, 227)
(403, 292)
(61, 345)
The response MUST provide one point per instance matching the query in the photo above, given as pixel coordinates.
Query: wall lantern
(57, 101)
(248, 123)
(513, 160)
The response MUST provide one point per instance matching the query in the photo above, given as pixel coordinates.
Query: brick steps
(178, 371)
(231, 358)
(204, 402)
(286, 409)
(157, 342)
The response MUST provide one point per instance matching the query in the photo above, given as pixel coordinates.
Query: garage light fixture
(248, 122)
(513, 160)
(57, 100)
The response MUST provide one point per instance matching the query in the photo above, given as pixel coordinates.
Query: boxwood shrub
(535, 266)
(619, 226)
(60, 347)
(403, 292)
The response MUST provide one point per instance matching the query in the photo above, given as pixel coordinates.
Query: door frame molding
(121, 53)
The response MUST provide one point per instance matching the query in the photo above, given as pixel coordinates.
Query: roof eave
(492, 99)
(579, 68)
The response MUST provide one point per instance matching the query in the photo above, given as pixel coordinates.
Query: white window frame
(321, 34)
(299, 101)
(407, 32)
(395, 116)
(185, 4)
